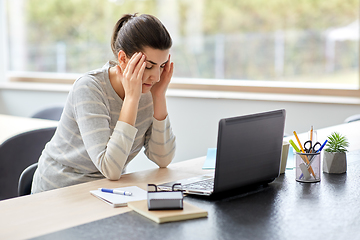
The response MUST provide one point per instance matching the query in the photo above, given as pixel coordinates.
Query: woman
(112, 112)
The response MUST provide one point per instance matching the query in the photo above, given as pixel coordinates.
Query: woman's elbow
(167, 160)
(164, 164)
(110, 174)
(113, 177)
(111, 170)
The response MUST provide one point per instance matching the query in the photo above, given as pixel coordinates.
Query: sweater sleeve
(107, 150)
(160, 142)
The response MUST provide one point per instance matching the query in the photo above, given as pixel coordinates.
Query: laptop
(248, 153)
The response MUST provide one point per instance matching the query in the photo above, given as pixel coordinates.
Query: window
(248, 44)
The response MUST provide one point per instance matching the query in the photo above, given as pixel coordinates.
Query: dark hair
(133, 33)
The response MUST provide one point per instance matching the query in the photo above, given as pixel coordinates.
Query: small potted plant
(335, 154)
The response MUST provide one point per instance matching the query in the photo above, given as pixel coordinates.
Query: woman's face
(155, 63)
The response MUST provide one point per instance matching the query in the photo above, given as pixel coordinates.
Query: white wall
(24, 103)
(195, 120)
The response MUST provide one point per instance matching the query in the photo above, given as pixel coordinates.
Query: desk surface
(284, 209)
(63, 208)
(12, 125)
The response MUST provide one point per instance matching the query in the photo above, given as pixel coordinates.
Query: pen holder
(307, 167)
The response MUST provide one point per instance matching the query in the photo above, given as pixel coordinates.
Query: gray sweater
(90, 143)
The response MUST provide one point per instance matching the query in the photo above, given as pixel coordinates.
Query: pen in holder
(165, 200)
(307, 167)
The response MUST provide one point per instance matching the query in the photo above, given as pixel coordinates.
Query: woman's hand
(159, 89)
(132, 84)
(132, 76)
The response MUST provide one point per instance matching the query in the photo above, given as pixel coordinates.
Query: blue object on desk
(115, 191)
(291, 158)
(210, 159)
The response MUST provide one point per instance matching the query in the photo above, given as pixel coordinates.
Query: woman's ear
(122, 58)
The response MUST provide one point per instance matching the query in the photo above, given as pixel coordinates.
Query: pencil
(303, 151)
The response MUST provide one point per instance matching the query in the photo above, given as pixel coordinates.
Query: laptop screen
(249, 150)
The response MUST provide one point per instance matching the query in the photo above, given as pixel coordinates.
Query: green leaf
(337, 143)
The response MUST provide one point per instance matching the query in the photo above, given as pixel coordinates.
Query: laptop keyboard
(207, 184)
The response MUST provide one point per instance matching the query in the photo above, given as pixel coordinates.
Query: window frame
(220, 85)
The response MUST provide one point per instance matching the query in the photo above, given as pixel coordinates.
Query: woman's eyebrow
(156, 63)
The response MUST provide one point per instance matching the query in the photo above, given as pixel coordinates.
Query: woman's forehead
(156, 56)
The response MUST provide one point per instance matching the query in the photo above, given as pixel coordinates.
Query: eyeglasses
(154, 188)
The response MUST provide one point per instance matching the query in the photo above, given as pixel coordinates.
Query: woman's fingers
(141, 71)
(171, 69)
(167, 66)
(168, 70)
(168, 74)
(133, 62)
(139, 65)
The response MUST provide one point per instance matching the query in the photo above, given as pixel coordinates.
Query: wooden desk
(285, 209)
(38, 214)
(13, 125)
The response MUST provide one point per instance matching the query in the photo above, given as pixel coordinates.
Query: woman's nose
(155, 75)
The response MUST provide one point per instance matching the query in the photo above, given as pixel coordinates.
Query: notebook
(248, 153)
(189, 211)
(117, 200)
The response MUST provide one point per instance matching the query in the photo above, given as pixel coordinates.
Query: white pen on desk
(115, 191)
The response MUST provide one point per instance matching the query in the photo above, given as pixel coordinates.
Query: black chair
(25, 180)
(17, 153)
(49, 113)
(352, 118)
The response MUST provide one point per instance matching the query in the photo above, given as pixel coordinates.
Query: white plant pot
(334, 162)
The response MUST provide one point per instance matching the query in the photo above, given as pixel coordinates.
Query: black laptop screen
(249, 149)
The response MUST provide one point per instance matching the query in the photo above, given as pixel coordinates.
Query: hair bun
(125, 18)
(120, 23)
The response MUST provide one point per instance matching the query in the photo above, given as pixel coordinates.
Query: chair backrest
(352, 118)
(50, 113)
(25, 180)
(17, 153)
